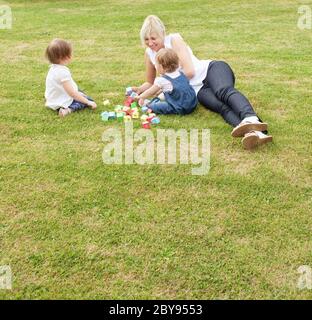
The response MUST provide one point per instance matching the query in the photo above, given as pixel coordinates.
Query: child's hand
(131, 90)
(92, 104)
(141, 102)
(136, 98)
(135, 89)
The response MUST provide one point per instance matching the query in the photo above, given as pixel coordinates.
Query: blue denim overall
(181, 100)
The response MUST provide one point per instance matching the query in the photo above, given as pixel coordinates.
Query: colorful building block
(111, 115)
(127, 118)
(105, 115)
(134, 105)
(135, 114)
(128, 101)
(146, 125)
(118, 108)
(120, 116)
(126, 110)
(106, 102)
(150, 118)
(144, 117)
(144, 109)
(128, 91)
(155, 120)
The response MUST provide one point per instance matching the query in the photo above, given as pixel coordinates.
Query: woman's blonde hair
(168, 59)
(152, 24)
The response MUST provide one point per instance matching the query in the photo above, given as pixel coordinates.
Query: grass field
(74, 228)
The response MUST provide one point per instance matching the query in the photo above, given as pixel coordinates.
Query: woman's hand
(135, 89)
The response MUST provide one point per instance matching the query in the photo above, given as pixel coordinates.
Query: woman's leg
(220, 78)
(207, 98)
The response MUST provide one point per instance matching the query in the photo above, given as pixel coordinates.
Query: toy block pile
(131, 110)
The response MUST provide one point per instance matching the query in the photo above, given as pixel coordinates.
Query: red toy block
(128, 101)
(149, 119)
(146, 125)
(126, 109)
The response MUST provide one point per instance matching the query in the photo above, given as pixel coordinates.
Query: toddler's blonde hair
(168, 59)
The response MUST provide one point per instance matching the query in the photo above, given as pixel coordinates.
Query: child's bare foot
(64, 112)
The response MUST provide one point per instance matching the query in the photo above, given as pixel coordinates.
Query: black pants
(219, 95)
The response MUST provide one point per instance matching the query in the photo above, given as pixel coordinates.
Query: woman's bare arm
(150, 73)
(180, 47)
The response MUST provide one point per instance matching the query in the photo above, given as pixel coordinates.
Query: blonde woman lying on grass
(213, 82)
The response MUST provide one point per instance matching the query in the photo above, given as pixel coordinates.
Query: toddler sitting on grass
(62, 93)
(177, 95)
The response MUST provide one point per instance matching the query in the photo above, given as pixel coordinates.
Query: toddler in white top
(62, 93)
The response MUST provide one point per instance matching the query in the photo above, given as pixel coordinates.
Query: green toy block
(134, 105)
(118, 108)
(120, 116)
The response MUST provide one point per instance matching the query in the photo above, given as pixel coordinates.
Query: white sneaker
(253, 139)
(246, 126)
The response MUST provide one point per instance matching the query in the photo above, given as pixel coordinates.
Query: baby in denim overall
(175, 94)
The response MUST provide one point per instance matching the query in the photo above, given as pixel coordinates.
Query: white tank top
(200, 66)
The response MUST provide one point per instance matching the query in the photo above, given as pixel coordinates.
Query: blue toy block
(155, 120)
(111, 115)
(144, 109)
(128, 91)
(105, 115)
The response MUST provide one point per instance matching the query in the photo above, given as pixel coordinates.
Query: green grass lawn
(74, 228)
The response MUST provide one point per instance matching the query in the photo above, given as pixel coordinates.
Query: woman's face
(154, 42)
